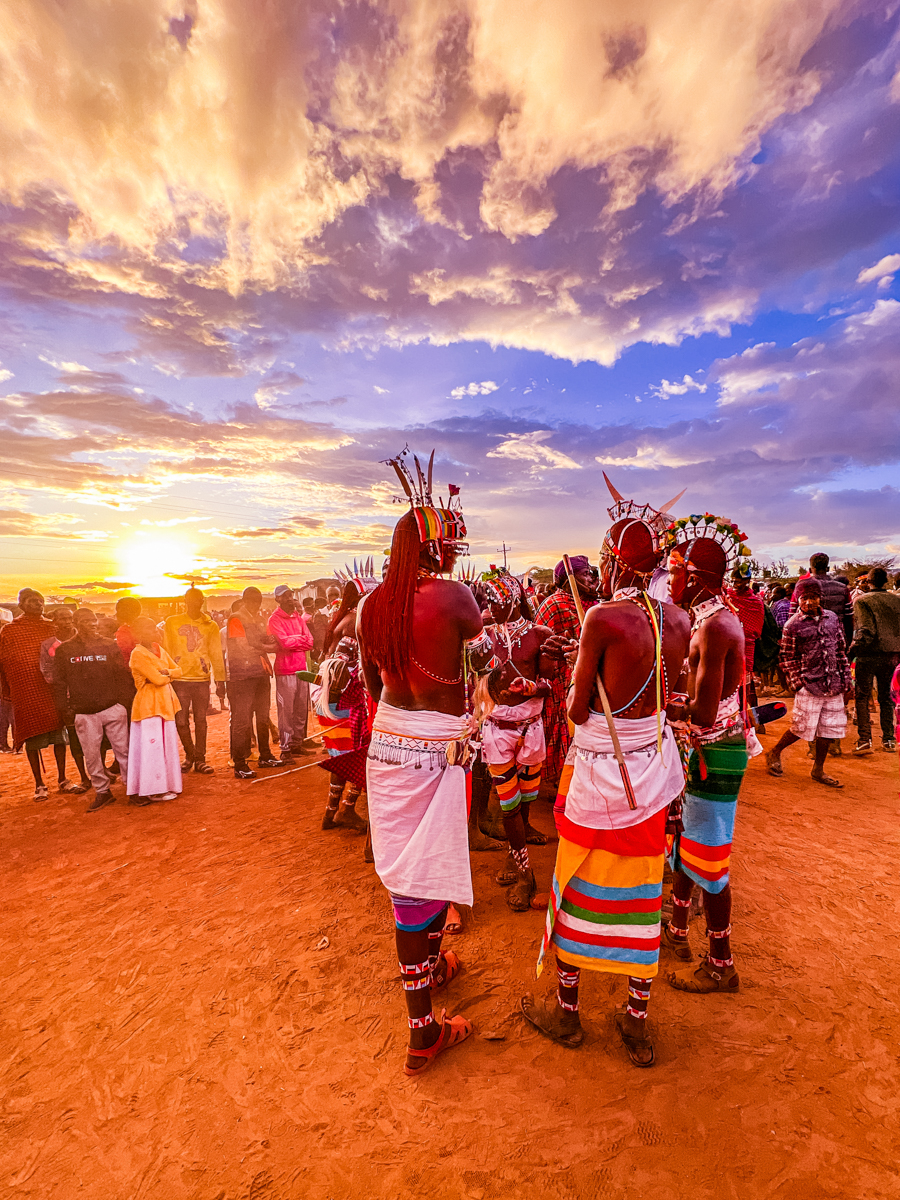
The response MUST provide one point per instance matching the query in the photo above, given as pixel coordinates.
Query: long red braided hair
(386, 619)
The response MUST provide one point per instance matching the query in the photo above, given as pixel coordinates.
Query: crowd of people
(140, 690)
(630, 695)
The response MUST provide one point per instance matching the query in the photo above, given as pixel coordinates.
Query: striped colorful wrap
(703, 850)
(606, 896)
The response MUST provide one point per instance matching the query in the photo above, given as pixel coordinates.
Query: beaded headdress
(699, 526)
(362, 575)
(655, 521)
(438, 525)
(501, 585)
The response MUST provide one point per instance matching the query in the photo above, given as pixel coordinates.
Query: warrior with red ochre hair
(419, 636)
(605, 904)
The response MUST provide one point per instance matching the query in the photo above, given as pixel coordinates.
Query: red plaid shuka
(558, 613)
(34, 712)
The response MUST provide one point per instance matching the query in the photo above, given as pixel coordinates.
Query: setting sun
(150, 562)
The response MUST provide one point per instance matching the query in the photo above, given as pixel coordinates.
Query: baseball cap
(282, 589)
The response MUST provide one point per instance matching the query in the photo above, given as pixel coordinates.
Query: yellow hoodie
(196, 646)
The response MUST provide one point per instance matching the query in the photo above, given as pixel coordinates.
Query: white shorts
(818, 716)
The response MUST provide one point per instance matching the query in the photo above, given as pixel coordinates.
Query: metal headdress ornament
(655, 521)
(362, 575)
(438, 525)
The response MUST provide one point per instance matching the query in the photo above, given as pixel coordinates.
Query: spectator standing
(835, 594)
(291, 632)
(860, 587)
(814, 659)
(192, 640)
(64, 631)
(332, 601)
(781, 606)
(876, 648)
(35, 719)
(751, 613)
(154, 772)
(91, 688)
(107, 626)
(128, 609)
(249, 671)
(318, 624)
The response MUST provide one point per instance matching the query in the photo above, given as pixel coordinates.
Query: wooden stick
(604, 699)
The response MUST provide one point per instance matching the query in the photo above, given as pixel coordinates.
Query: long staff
(604, 699)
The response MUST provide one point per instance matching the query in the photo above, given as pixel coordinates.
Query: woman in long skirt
(154, 751)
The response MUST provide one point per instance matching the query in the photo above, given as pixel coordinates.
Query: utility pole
(502, 550)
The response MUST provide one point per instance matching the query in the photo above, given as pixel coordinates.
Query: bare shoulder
(609, 614)
(677, 618)
(448, 596)
(724, 626)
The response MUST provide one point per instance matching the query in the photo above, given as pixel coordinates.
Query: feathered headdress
(438, 525)
(362, 575)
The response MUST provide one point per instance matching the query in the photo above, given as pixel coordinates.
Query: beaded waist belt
(403, 750)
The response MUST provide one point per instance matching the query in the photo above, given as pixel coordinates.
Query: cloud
(460, 170)
(475, 389)
(279, 383)
(530, 448)
(882, 271)
(96, 585)
(14, 523)
(665, 389)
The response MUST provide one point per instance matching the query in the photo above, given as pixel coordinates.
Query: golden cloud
(235, 129)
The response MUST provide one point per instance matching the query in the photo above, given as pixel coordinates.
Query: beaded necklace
(513, 632)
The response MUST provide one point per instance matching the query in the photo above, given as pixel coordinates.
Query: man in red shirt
(128, 609)
(751, 612)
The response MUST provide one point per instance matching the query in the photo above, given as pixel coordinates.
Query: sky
(249, 251)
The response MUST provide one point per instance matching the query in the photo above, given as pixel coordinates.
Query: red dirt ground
(170, 1030)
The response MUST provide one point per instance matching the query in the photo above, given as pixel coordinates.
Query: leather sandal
(453, 1031)
(632, 1044)
(452, 968)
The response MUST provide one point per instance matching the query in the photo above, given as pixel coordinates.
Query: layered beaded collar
(704, 610)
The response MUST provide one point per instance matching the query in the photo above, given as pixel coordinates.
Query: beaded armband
(479, 646)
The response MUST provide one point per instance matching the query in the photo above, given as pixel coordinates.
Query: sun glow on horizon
(150, 562)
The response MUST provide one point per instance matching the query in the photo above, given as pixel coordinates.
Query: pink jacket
(293, 638)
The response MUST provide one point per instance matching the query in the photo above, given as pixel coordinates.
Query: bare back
(715, 664)
(445, 616)
(618, 642)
